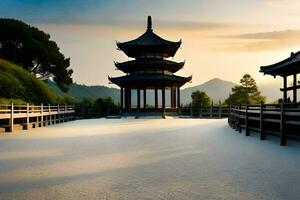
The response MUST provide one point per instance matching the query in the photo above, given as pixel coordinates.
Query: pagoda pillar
(145, 97)
(284, 89)
(156, 98)
(121, 98)
(174, 97)
(129, 98)
(178, 97)
(138, 93)
(163, 100)
(295, 88)
(126, 98)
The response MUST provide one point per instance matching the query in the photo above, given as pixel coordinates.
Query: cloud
(262, 41)
(275, 35)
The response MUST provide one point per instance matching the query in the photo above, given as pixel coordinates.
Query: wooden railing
(26, 116)
(281, 120)
(205, 112)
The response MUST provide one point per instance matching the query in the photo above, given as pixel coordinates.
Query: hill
(216, 88)
(79, 91)
(16, 84)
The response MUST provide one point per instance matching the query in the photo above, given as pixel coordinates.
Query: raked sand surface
(146, 159)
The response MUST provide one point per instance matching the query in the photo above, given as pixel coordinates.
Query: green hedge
(18, 85)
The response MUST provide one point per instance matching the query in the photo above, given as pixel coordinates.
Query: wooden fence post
(282, 126)
(42, 115)
(229, 111)
(11, 120)
(58, 114)
(233, 117)
(240, 127)
(65, 114)
(49, 113)
(200, 111)
(220, 110)
(236, 118)
(261, 122)
(211, 109)
(27, 116)
(246, 121)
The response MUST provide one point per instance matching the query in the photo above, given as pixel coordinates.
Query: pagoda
(149, 70)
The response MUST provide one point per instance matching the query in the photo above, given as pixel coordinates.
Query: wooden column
(295, 89)
(138, 93)
(126, 99)
(163, 100)
(172, 97)
(138, 102)
(178, 97)
(145, 97)
(156, 98)
(121, 98)
(284, 89)
(129, 98)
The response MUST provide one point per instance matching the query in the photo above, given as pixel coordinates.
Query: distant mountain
(79, 91)
(217, 89)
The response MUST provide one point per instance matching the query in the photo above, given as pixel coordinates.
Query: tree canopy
(246, 92)
(200, 99)
(32, 49)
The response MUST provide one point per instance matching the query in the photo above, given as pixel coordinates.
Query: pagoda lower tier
(135, 81)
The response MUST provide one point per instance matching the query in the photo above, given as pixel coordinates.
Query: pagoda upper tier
(149, 65)
(149, 45)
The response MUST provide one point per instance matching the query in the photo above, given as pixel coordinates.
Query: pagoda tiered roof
(148, 65)
(149, 80)
(147, 43)
(286, 67)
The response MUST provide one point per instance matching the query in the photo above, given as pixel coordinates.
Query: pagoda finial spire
(149, 24)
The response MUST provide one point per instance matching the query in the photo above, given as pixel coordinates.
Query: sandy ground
(146, 159)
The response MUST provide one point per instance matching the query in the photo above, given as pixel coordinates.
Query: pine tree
(246, 92)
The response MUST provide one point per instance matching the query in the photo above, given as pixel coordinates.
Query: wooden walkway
(31, 116)
(281, 120)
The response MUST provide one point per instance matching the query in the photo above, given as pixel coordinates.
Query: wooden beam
(290, 88)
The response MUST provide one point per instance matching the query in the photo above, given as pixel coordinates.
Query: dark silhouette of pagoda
(149, 70)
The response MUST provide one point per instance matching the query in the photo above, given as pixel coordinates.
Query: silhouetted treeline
(89, 108)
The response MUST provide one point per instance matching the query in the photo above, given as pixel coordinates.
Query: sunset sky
(221, 38)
